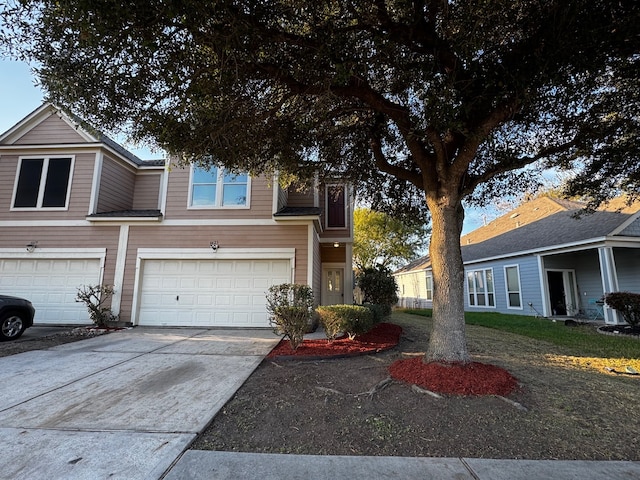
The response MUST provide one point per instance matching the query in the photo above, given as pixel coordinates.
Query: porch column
(609, 278)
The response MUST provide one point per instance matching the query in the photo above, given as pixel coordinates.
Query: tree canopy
(382, 240)
(420, 103)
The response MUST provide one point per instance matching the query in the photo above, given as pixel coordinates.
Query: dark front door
(557, 295)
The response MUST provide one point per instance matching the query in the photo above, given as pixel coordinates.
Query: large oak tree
(421, 103)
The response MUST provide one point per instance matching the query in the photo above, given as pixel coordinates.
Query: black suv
(16, 315)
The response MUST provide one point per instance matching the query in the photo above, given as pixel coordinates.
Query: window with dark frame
(336, 216)
(43, 183)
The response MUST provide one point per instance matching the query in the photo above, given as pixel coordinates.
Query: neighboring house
(541, 260)
(183, 246)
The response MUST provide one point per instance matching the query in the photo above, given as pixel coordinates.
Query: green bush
(378, 287)
(290, 308)
(95, 297)
(350, 319)
(627, 303)
(379, 312)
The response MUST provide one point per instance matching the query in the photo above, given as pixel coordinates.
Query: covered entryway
(208, 292)
(562, 288)
(51, 285)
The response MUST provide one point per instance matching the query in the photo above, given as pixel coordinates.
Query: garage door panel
(211, 292)
(51, 285)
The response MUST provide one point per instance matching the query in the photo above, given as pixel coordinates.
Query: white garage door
(51, 285)
(208, 292)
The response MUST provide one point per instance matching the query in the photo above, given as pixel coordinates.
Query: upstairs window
(216, 188)
(43, 183)
(336, 206)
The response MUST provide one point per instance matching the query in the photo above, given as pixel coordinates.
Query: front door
(562, 292)
(333, 286)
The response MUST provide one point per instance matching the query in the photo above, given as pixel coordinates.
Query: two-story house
(183, 246)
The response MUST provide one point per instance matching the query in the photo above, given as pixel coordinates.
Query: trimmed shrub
(95, 297)
(378, 287)
(290, 308)
(627, 303)
(350, 319)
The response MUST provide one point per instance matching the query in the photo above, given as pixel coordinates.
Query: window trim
(486, 292)
(326, 206)
(42, 185)
(428, 292)
(219, 193)
(506, 287)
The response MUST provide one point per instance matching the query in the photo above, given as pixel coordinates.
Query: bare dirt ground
(27, 343)
(567, 406)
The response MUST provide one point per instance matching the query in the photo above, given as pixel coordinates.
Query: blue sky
(19, 96)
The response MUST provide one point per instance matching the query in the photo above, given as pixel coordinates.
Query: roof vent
(514, 215)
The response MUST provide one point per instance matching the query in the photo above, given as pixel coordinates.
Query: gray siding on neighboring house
(51, 131)
(632, 230)
(147, 191)
(628, 266)
(586, 265)
(116, 187)
(529, 286)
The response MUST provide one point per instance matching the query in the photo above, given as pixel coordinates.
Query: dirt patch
(349, 406)
(41, 343)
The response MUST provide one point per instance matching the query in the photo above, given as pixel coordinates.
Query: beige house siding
(261, 200)
(8, 167)
(78, 200)
(277, 236)
(53, 130)
(147, 191)
(67, 237)
(116, 187)
(300, 198)
(317, 270)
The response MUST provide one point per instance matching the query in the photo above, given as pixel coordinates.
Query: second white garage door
(203, 293)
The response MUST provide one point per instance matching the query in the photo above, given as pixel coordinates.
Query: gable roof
(85, 133)
(542, 223)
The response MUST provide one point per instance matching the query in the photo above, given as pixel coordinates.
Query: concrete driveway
(119, 406)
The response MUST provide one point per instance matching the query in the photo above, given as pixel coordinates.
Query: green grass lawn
(582, 340)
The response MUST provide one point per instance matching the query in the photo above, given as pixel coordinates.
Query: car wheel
(12, 325)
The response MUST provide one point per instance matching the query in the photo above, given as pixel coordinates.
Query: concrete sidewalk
(119, 406)
(201, 465)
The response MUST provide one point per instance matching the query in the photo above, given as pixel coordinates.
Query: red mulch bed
(459, 379)
(382, 337)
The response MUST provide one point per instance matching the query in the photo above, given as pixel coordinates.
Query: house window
(43, 183)
(429, 287)
(336, 206)
(480, 286)
(215, 188)
(512, 276)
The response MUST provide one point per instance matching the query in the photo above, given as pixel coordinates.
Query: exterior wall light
(31, 246)
(214, 245)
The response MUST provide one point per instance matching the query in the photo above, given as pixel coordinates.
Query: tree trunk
(448, 340)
